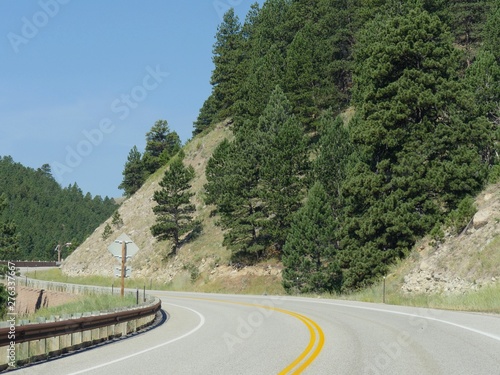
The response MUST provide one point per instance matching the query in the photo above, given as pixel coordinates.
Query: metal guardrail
(32, 342)
(40, 331)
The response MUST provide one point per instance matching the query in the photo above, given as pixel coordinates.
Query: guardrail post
(103, 333)
(57, 336)
(87, 337)
(53, 345)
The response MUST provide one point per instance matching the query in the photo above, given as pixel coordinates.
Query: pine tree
(207, 115)
(161, 145)
(116, 219)
(233, 175)
(467, 19)
(174, 212)
(483, 80)
(134, 173)
(309, 260)
(265, 72)
(257, 181)
(227, 56)
(301, 78)
(283, 149)
(107, 232)
(264, 64)
(419, 151)
(491, 31)
(333, 154)
(318, 61)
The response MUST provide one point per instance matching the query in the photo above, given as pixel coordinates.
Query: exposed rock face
(464, 262)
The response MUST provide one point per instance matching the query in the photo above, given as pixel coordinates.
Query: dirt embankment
(30, 299)
(463, 262)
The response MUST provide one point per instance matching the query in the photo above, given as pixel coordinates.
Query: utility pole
(59, 249)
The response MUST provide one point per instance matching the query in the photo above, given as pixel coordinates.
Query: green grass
(88, 303)
(486, 299)
(56, 275)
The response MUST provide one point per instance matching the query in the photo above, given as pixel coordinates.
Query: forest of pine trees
(37, 214)
(360, 126)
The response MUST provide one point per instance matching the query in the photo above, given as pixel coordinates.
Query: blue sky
(81, 82)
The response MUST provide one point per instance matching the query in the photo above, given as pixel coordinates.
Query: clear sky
(82, 81)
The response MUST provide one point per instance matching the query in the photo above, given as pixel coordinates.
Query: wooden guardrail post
(39, 340)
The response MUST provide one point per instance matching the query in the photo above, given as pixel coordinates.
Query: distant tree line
(37, 214)
(360, 126)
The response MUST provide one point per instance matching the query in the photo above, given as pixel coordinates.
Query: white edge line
(202, 322)
(490, 335)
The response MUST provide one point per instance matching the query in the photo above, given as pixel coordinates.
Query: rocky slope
(151, 262)
(460, 263)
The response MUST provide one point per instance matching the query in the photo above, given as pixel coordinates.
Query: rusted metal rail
(40, 331)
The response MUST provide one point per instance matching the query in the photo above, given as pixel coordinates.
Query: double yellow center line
(316, 340)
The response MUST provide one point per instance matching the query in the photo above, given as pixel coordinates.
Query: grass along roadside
(56, 275)
(486, 299)
(87, 303)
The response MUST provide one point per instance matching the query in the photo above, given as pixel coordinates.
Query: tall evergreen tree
(161, 145)
(265, 52)
(333, 155)
(233, 175)
(265, 72)
(257, 181)
(419, 152)
(309, 260)
(207, 115)
(483, 80)
(174, 211)
(301, 78)
(227, 56)
(284, 165)
(467, 19)
(491, 31)
(134, 173)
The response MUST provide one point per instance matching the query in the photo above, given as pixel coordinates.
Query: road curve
(232, 334)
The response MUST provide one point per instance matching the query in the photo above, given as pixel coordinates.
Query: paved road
(222, 334)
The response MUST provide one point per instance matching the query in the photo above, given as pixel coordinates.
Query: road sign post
(127, 250)
(124, 259)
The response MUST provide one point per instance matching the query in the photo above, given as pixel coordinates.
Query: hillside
(459, 263)
(337, 199)
(202, 264)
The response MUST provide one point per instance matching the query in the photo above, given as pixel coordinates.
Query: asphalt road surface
(228, 334)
